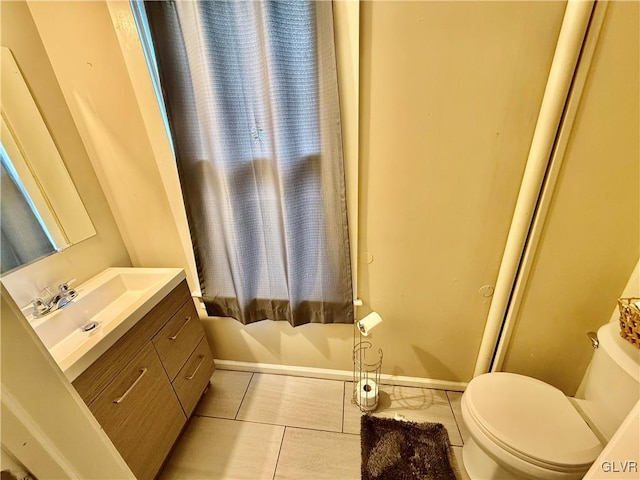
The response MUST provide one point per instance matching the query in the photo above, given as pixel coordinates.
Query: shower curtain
(250, 90)
(22, 238)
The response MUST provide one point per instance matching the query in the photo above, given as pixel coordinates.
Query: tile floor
(261, 426)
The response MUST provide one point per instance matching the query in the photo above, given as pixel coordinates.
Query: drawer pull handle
(120, 399)
(186, 320)
(190, 377)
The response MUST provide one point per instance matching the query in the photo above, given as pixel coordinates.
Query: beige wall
(450, 94)
(631, 289)
(81, 261)
(82, 45)
(591, 239)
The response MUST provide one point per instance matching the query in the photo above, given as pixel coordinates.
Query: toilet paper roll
(368, 323)
(367, 394)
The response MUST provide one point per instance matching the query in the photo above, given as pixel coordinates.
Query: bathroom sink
(107, 306)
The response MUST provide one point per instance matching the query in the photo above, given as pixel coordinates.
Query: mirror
(41, 210)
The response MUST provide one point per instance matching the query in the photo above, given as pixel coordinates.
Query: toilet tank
(611, 385)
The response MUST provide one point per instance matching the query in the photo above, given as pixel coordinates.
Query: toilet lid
(532, 420)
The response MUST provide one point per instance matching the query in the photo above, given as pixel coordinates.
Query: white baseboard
(343, 375)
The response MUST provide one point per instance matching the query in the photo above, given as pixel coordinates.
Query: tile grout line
(275, 470)
(455, 419)
(344, 390)
(282, 425)
(244, 395)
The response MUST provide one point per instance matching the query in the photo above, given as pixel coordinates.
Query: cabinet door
(140, 413)
(178, 338)
(194, 376)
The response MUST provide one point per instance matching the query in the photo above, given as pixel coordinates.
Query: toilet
(522, 428)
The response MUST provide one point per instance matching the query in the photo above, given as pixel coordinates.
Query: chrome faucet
(53, 302)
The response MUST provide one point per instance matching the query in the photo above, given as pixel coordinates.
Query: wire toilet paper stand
(367, 367)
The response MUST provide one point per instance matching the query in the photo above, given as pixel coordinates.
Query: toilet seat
(531, 420)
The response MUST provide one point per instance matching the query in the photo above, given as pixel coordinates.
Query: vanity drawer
(140, 413)
(178, 338)
(194, 376)
(95, 378)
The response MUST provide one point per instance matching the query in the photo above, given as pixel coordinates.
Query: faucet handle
(40, 308)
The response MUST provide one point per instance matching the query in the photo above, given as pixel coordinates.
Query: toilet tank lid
(531, 419)
(622, 352)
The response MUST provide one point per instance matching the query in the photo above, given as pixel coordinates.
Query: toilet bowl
(527, 428)
(521, 428)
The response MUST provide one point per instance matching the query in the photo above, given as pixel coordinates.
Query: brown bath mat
(398, 450)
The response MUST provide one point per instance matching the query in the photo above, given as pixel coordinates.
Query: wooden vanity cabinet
(141, 414)
(145, 387)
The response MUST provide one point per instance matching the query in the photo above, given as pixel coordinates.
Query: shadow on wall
(244, 343)
(317, 336)
(430, 363)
